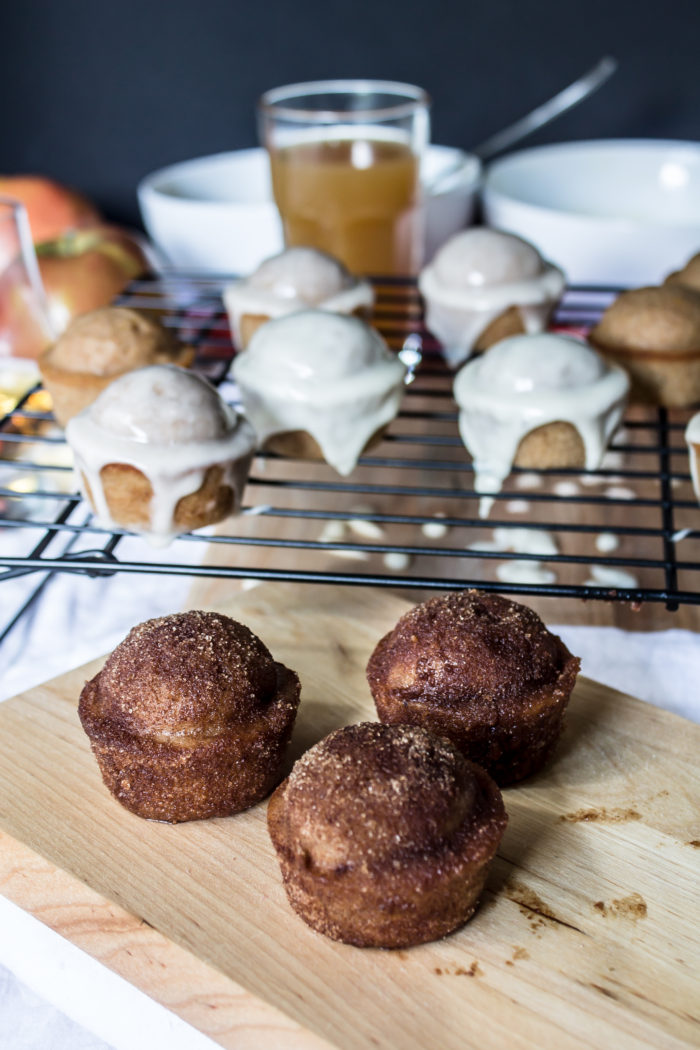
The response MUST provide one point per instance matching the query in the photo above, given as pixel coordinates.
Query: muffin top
(689, 276)
(369, 794)
(192, 672)
(652, 319)
(314, 353)
(163, 403)
(481, 256)
(110, 340)
(301, 273)
(467, 646)
(524, 364)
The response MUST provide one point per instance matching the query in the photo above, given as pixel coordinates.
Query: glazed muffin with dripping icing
(160, 453)
(481, 670)
(296, 279)
(97, 348)
(538, 402)
(190, 717)
(317, 385)
(654, 333)
(688, 276)
(384, 835)
(485, 285)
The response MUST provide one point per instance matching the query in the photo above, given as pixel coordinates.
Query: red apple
(84, 269)
(51, 207)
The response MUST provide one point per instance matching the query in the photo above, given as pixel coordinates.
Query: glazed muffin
(190, 718)
(321, 386)
(159, 453)
(99, 346)
(384, 835)
(689, 276)
(654, 333)
(485, 285)
(540, 402)
(481, 670)
(297, 279)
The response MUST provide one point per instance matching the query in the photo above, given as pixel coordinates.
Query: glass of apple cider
(345, 160)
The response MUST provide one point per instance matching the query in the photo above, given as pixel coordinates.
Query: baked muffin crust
(481, 670)
(99, 346)
(190, 717)
(384, 835)
(654, 333)
(689, 276)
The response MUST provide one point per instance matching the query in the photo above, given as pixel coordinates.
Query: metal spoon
(566, 99)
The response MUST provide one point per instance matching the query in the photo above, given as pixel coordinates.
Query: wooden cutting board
(587, 935)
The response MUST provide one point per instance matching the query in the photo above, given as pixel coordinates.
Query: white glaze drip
(518, 571)
(526, 541)
(692, 440)
(609, 576)
(331, 376)
(296, 279)
(606, 542)
(525, 382)
(478, 275)
(172, 426)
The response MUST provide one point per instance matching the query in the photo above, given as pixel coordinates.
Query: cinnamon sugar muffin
(655, 334)
(296, 279)
(481, 670)
(384, 835)
(190, 717)
(689, 276)
(99, 346)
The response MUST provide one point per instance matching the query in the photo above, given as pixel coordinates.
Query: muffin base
(508, 323)
(417, 900)
(658, 378)
(192, 778)
(553, 445)
(128, 494)
(299, 444)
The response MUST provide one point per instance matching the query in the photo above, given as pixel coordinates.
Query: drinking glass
(345, 161)
(25, 329)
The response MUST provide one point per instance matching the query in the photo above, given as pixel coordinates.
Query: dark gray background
(99, 94)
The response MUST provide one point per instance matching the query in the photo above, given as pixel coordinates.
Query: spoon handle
(563, 100)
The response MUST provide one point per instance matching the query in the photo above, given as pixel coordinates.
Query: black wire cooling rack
(408, 515)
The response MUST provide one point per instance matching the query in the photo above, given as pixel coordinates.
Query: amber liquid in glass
(356, 199)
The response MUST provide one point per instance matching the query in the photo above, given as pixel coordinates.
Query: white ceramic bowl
(216, 214)
(621, 212)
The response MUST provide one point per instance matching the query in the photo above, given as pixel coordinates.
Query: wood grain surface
(587, 934)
